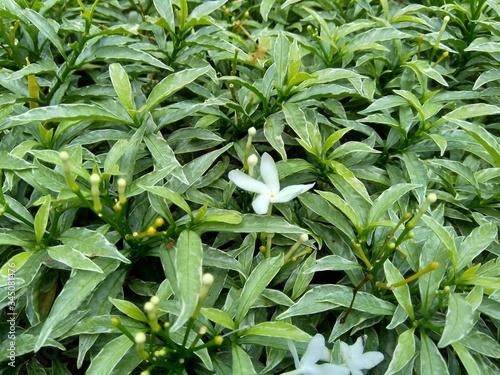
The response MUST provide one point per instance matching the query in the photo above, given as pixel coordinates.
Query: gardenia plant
(269, 191)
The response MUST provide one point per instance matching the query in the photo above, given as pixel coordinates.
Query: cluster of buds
(151, 231)
(151, 309)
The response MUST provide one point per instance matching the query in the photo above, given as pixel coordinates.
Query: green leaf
(473, 110)
(66, 112)
(487, 76)
(303, 280)
(402, 293)
(349, 177)
(110, 355)
(46, 27)
(431, 361)
(404, 352)
(188, 264)
(445, 239)
(222, 216)
(219, 317)
(129, 309)
(265, 8)
(278, 329)
(345, 208)
(170, 85)
(296, 119)
(467, 359)
(79, 287)
(170, 195)
(334, 137)
(417, 174)
(221, 259)
(281, 50)
(164, 8)
(258, 280)
(164, 156)
(72, 258)
(482, 343)
(423, 67)
(333, 263)
(273, 129)
(328, 297)
(459, 320)
(121, 84)
(42, 218)
(252, 223)
(242, 363)
(319, 205)
(91, 243)
(460, 169)
(478, 240)
(483, 137)
(13, 163)
(16, 238)
(17, 260)
(121, 53)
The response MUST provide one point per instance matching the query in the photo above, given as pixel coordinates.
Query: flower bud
(140, 338)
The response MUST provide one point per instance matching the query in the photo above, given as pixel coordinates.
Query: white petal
(248, 183)
(314, 350)
(290, 192)
(357, 348)
(269, 173)
(261, 204)
(369, 360)
(327, 369)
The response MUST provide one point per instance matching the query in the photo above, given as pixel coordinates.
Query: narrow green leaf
(251, 223)
(79, 287)
(350, 178)
(66, 112)
(473, 110)
(445, 239)
(417, 174)
(296, 119)
(487, 76)
(129, 309)
(46, 27)
(278, 329)
(478, 240)
(121, 84)
(431, 361)
(91, 243)
(109, 356)
(219, 317)
(402, 293)
(188, 263)
(170, 195)
(404, 352)
(467, 359)
(334, 137)
(258, 280)
(333, 263)
(458, 168)
(42, 218)
(16, 238)
(265, 8)
(483, 137)
(482, 343)
(170, 85)
(459, 320)
(72, 258)
(281, 50)
(342, 205)
(164, 8)
(12, 163)
(242, 363)
(273, 129)
(17, 260)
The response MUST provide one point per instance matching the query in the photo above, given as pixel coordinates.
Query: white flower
(316, 350)
(269, 190)
(356, 360)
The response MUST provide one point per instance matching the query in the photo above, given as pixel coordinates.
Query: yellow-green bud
(252, 131)
(155, 300)
(140, 338)
(218, 340)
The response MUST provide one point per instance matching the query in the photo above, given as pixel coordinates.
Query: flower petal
(290, 192)
(327, 369)
(248, 183)
(314, 351)
(357, 348)
(269, 173)
(261, 204)
(369, 360)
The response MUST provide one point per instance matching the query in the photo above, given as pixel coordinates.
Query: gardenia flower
(269, 190)
(316, 350)
(356, 360)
